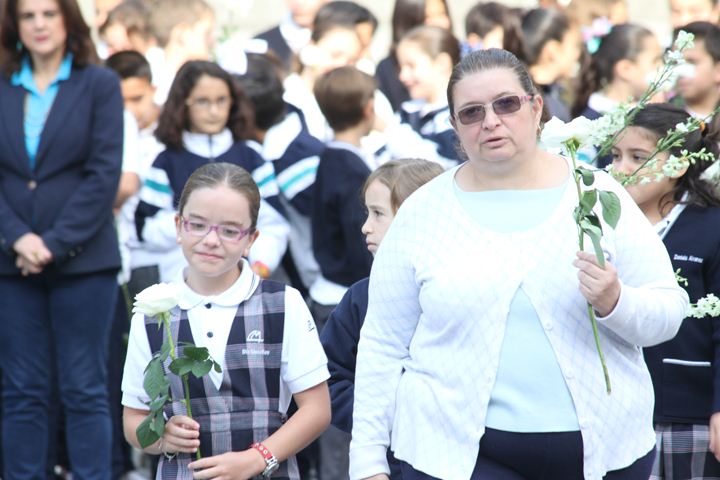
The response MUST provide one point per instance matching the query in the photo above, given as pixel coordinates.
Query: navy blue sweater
(340, 339)
(433, 126)
(295, 167)
(686, 370)
(338, 215)
(179, 164)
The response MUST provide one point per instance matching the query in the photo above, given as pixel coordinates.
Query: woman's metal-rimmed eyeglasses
(227, 233)
(501, 106)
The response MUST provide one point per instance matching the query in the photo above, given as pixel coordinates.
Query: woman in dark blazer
(61, 136)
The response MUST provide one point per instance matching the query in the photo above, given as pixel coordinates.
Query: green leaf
(157, 423)
(217, 367)
(145, 435)
(155, 383)
(203, 368)
(182, 366)
(196, 353)
(610, 207)
(158, 403)
(578, 214)
(595, 234)
(588, 200)
(165, 350)
(588, 176)
(594, 220)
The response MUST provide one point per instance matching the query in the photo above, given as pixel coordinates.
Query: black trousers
(535, 456)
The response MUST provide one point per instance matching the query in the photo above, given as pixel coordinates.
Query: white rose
(556, 132)
(156, 299)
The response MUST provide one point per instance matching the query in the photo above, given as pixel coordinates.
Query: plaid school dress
(245, 407)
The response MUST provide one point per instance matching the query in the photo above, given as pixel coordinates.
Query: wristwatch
(271, 463)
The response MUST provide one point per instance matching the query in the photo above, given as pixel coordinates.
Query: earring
(19, 46)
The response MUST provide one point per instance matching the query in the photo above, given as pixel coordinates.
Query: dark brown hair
(407, 15)
(624, 42)
(174, 118)
(220, 173)
(485, 16)
(130, 64)
(341, 12)
(78, 40)
(342, 95)
(434, 41)
(539, 26)
(661, 117)
(482, 60)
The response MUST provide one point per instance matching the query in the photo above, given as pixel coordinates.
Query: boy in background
(185, 30)
(281, 137)
(346, 98)
(699, 79)
(138, 92)
(683, 12)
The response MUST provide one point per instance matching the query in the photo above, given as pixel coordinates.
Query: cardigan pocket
(687, 389)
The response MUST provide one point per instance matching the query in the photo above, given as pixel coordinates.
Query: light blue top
(530, 393)
(38, 104)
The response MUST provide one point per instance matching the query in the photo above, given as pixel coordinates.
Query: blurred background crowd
(286, 88)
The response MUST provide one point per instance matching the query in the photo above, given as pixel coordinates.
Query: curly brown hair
(175, 118)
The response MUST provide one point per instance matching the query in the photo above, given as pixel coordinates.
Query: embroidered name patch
(687, 258)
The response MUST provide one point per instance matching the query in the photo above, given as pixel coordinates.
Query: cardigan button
(32, 185)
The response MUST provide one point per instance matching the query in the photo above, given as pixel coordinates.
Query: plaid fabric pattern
(683, 453)
(245, 408)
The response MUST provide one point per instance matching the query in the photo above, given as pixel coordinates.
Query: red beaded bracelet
(271, 463)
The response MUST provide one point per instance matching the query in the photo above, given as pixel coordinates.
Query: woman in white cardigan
(477, 357)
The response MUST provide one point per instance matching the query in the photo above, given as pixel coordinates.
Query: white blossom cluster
(684, 40)
(708, 306)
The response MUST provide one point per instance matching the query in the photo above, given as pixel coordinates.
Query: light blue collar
(24, 77)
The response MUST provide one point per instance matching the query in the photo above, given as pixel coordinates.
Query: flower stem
(572, 149)
(186, 392)
(186, 389)
(593, 322)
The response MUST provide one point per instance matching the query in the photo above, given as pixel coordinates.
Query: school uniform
(337, 218)
(146, 265)
(301, 98)
(685, 370)
(286, 39)
(159, 196)
(555, 105)
(341, 252)
(265, 340)
(423, 131)
(60, 158)
(294, 155)
(340, 338)
(387, 75)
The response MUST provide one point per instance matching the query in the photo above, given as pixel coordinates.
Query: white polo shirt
(303, 361)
